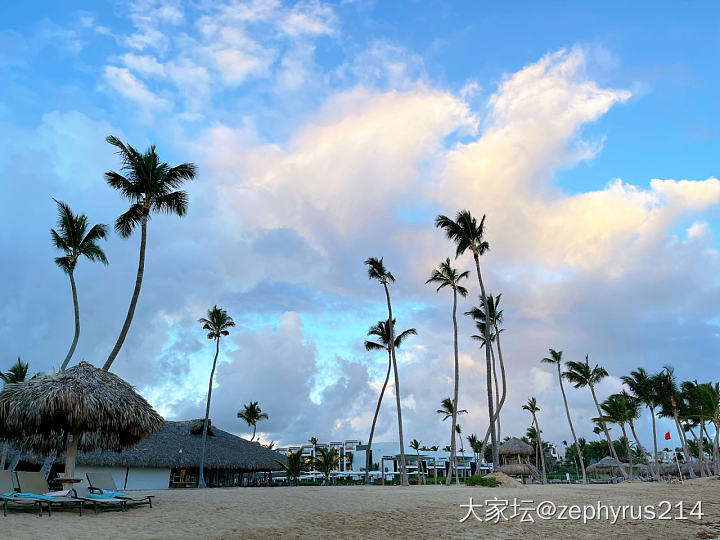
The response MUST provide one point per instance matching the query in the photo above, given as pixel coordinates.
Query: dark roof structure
(178, 444)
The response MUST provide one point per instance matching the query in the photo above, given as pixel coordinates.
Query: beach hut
(82, 408)
(607, 466)
(515, 458)
(170, 458)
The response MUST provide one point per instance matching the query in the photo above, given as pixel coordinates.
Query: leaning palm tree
(376, 270)
(151, 186)
(474, 443)
(447, 410)
(669, 395)
(533, 409)
(326, 462)
(458, 431)
(467, 234)
(645, 388)
(75, 240)
(381, 332)
(580, 374)
(555, 358)
(294, 466)
(415, 445)
(615, 411)
(447, 276)
(252, 414)
(16, 374)
(216, 324)
(632, 408)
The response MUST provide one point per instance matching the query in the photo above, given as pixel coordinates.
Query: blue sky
(329, 132)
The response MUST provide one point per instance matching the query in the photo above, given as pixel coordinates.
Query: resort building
(171, 457)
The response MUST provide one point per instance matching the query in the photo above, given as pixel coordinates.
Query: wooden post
(70, 456)
(435, 469)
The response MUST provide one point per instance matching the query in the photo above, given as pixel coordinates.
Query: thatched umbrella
(83, 407)
(515, 454)
(607, 463)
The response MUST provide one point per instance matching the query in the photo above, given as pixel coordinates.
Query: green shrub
(480, 480)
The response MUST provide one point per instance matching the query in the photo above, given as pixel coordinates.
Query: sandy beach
(382, 512)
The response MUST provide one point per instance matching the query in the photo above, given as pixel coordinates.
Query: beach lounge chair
(35, 484)
(102, 482)
(100, 501)
(12, 499)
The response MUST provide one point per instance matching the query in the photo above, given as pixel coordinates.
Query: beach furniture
(12, 499)
(100, 501)
(34, 484)
(102, 482)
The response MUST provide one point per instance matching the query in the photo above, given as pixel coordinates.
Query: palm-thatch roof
(178, 444)
(519, 468)
(104, 410)
(515, 446)
(606, 463)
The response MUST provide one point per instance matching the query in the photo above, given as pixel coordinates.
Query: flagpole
(678, 466)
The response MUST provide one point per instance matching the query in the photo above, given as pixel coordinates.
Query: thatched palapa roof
(519, 468)
(104, 410)
(178, 444)
(515, 446)
(606, 463)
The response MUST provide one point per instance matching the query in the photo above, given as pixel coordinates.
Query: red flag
(667, 436)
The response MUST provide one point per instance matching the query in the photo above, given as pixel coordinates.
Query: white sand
(373, 512)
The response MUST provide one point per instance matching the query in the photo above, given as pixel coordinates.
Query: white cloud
(309, 17)
(130, 87)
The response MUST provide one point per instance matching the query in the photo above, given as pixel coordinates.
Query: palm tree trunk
(607, 435)
(488, 364)
(628, 450)
(368, 456)
(403, 468)
(657, 462)
(497, 394)
(201, 475)
(540, 449)
(136, 294)
(502, 376)
(683, 442)
(455, 394)
(253, 435)
(572, 429)
(77, 322)
(3, 456)
(716, 450)
(642, 449)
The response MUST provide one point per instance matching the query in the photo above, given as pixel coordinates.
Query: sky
(328, 132)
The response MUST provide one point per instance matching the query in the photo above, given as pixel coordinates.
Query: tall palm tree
(496, 318)
(615, 410)
(326, 462)
(580, 374)
(468, 234)
(533, 409)
(669, 394)
(555, 358)
(447, 276)
(294, 466)
(376, 270)
(381, 331)
(415, 445)
(151, 186)
(16, 374)
(694, 403)
(216, 324)
(458, 431)
(644, 387)
(76, 240)
(632, 408)
(710, 394)
(475, 445)
(448, 410)
(252, 414)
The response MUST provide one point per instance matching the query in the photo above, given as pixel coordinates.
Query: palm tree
(216, 324)
(294, 465)
(644, 387)
(415, 445)
(326, 462)
(532, 407)
(696, 413)
(75, 241)
(252, 414)
(151, 186)
(382, 332)
(632, 408)
(447, 410)
(711, 396)
(496, 318)
(458, 431)
(668, 394)
(555, 358)
(376, 270)
(16, 374)
(447, 276)
(475, 445)
(580, 374)
(615, 410)
(468, 234)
